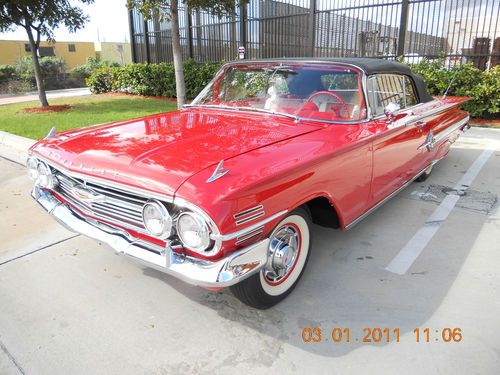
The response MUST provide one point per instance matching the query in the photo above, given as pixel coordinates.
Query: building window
(46, 51)
(27, 47)
(71, 48)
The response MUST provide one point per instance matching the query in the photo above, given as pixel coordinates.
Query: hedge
(482, 87)
(151, 79)
(20, 77)
(159, 80)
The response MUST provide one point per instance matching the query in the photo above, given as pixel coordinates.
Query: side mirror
(391, 110)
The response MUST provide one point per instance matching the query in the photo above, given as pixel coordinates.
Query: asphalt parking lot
(71, 306)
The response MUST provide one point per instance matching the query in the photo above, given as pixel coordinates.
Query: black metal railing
(458, 30)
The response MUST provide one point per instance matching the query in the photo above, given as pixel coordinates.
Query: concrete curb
(14, 147)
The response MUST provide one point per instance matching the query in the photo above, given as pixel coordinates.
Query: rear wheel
(288, 252)
(425, 174)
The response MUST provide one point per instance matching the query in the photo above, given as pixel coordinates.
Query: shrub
(198, 76)
(81, 72)
(53, 72)
(151, 79)
(482, 87)
(7, 72)
(486, 95)
(51, 67)
(101, 80)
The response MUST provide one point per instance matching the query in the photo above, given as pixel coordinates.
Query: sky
(108, 23)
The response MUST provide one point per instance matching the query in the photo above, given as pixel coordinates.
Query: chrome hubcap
(283, 251)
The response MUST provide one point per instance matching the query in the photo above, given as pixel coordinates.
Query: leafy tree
(169, 10)
(40, 18)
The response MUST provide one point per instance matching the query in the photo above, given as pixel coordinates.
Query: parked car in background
(223, 193)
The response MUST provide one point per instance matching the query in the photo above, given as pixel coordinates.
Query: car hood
(160, 152)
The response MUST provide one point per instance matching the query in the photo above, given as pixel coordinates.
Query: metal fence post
(243, 24)
(146, 42)
(312, 26)
(132, 38)
(189, 30)
(402, 27)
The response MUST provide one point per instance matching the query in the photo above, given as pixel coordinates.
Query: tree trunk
(180, 84)
(40, 85)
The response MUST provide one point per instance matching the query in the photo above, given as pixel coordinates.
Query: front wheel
(288, 252)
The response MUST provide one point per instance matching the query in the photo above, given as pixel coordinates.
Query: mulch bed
(50, 108)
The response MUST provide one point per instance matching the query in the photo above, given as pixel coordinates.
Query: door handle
(419, 124)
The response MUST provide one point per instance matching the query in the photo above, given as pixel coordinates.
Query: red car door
(397, 155)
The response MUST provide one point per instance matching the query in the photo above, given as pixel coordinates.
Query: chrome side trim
(451, 129)
(113, 185)
(250, 235)
(431, 112)
(394, 193)
(251, 228)
(248, 211)
(250, 218)
(249, 214)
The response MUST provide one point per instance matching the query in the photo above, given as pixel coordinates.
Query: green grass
(87, 110)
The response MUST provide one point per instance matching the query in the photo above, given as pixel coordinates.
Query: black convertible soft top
(368, 65)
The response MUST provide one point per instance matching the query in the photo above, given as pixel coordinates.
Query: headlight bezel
(166, 232)
(32, 166)
(46, 179)
(204, 228)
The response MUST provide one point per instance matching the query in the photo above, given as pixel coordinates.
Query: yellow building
(73, 53)
(111, 51)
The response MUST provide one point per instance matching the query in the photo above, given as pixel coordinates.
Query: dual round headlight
(192, 229)
(41, 173)
(157, 219)
(32, 165)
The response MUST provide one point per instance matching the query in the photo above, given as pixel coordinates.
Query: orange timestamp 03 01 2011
(376, 334)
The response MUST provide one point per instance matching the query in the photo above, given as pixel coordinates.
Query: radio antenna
(451, 82)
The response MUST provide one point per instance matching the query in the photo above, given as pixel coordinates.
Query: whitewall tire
(288, 252)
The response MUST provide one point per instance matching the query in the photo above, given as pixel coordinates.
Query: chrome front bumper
(224, 272)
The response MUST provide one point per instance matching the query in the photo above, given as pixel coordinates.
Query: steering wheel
(328, 93)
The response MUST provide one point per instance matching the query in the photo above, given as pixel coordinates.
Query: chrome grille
(115, 206)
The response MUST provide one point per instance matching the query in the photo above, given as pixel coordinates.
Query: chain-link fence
(459, 30)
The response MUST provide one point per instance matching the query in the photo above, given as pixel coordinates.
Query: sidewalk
(51, 94)
(14, 147)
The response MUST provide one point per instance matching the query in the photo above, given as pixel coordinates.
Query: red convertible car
(224, 192)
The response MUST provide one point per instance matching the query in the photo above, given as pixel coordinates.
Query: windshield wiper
(249, 109)
(296, 118)
(211, 106)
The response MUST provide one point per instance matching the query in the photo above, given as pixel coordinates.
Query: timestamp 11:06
(376, 334)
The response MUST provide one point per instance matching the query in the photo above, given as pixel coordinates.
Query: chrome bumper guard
(222, 273)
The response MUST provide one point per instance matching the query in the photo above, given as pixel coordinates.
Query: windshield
(321, 92)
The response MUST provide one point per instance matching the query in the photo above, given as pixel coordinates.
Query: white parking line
(410, 252)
